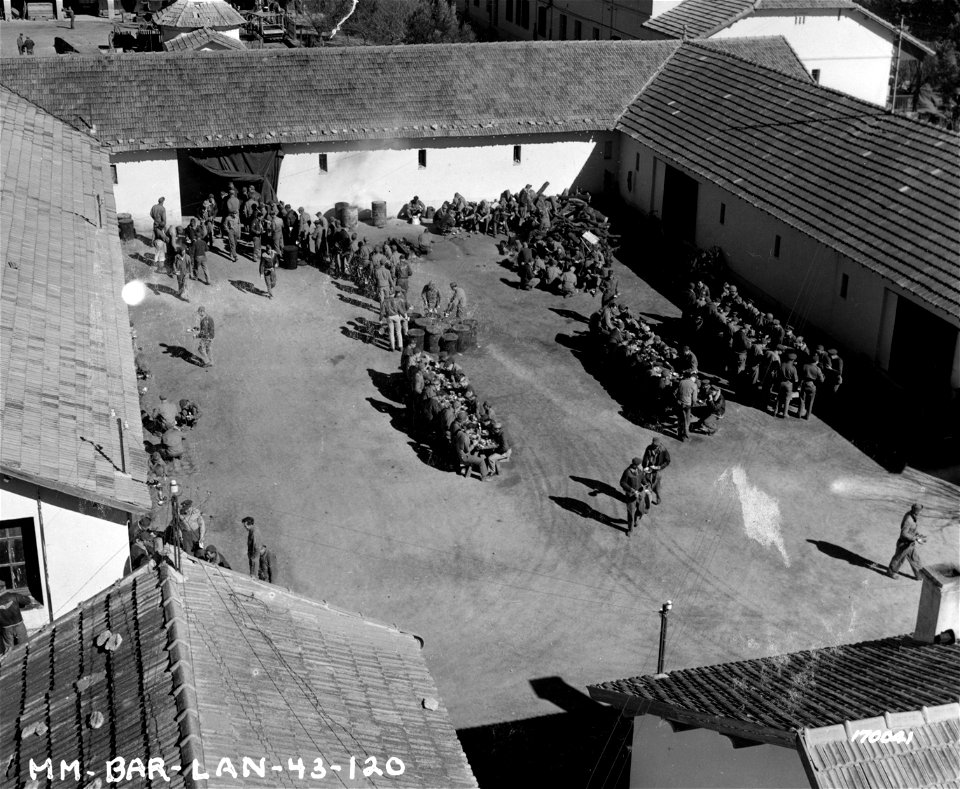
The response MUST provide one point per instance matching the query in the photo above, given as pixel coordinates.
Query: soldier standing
(907, 545)
(205, 334)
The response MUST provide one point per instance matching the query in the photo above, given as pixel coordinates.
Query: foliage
(390, 21)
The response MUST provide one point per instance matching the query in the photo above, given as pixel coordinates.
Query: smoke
(761, 512)
(336, 29)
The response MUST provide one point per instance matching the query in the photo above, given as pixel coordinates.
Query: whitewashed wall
(854, 54)
(666, 759)
(142, 177)
(85, 553)
(360, 174)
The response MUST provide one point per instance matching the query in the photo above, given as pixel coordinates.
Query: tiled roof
(66, 366)
(773, 52)
(696, 18)
(704, 18)
(197, 39)
(213, 664)
(351, 93)
(768, 699)
(199, 13)
(930, 760)
(879, 188)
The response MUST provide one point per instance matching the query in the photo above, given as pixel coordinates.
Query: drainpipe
(43, 549)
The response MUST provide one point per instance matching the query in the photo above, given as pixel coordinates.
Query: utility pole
(664, 613)
(176, 526)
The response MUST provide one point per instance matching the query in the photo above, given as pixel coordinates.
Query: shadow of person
(512, 283)
(247, 287)
(179, 352)
(597, 487)
(158, 289)
(848, 556)
(569, 314)
(390, 385)
(357, 303)
(584, 510)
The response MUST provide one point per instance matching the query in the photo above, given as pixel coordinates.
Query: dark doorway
(921, 354)
(679, 213)
(209, 171)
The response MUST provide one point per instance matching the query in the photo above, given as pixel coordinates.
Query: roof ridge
(717, 45)
(649, 81)
(85, 132)
(730, 20)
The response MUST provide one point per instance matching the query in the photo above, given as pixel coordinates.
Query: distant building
(247, 681)
(203, 40)
(72, 464)
(843, 45)
(792, 720)
(184, 16)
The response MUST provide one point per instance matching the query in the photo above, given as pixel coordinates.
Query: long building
(845, 215)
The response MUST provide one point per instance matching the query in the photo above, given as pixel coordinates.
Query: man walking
(655, 459)
(812, 376)
(231, 228)
(200, 259)
(458, 302)
(205, 333)
(253, 545)
(181, 268)
(687, 396)
(907, 545)
(631, 481)
(268, 269)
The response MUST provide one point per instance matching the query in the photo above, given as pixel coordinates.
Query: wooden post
(7, 10)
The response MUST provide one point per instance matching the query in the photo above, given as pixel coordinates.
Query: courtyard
(524, 588)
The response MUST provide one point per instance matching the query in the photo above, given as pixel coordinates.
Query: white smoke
(340, 23)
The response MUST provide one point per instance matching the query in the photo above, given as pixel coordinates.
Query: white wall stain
(761, 512)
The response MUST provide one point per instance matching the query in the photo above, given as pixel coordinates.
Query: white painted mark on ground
(761, 512)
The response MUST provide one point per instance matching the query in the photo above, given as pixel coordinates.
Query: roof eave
(134, 508)
(634, 706)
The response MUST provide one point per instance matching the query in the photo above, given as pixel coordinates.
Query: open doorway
(679, 212)
(210, 171)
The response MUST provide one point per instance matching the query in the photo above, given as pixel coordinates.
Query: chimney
(939, 603)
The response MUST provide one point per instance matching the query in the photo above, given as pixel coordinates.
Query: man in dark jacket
(635, 495)
(267, 566)
(655, 459)
(12, 629)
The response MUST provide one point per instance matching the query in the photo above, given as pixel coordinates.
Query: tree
(390, 21)
(436, 22)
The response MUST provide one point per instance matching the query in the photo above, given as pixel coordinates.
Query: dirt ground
(89, 31)
(524, 588)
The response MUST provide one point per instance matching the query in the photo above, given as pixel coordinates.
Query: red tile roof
(66, 366)
(881, 189)
(351, 93)
(769, 699)
(197, 39)
(214, 664)
(836, 758)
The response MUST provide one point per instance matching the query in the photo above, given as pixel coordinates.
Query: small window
(636, 166)
(800, 20)
(323, 163)
(723, 213)
(844, 285)
(422, 158)
(577, 29)
(596, 34)
(629, 180)
(608, 149)
(113, 173)
(816, 75)
(508, 12)
(516, 154)
(563, 27)
(776, 246)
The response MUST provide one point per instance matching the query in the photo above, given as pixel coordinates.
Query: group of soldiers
(762, 358)
(445, 413)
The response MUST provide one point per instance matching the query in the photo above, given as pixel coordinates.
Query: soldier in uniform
(907, 545)
(655, 459)
(636, 494)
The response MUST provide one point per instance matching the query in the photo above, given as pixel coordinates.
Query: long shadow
(179, 352)
(584, 510)
(367, 331)
(515, 284)
(569, 314)
(586, 745)
(346, 287)
(158, 289)
(848, 556)
(597, 487)
(357, 303)
(247, 287)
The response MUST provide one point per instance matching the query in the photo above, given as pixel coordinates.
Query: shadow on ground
(179, 352)
(584, 510)
(247, 287)
(587, 745)
(848, 556)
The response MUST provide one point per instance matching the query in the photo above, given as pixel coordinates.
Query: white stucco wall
(853, 53)
(84, 552)
(666, 759)
(142, 177)
(361, 174)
